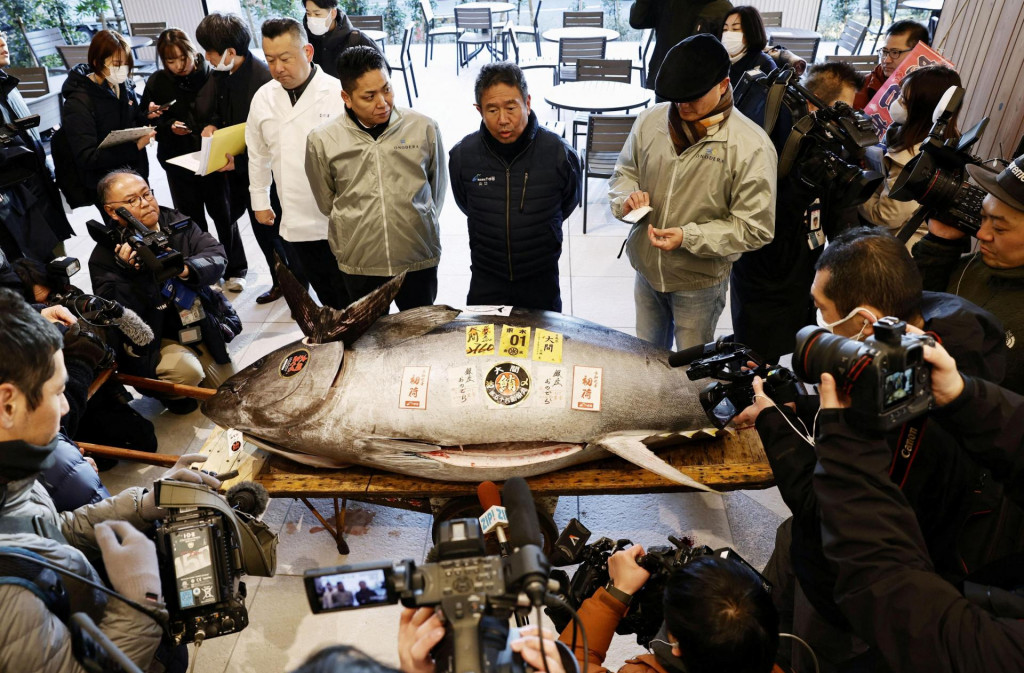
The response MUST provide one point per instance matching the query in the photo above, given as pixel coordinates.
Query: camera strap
(910, 441)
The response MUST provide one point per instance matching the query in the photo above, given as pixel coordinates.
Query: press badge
(193, 314)
(190, 335)
(815, 236)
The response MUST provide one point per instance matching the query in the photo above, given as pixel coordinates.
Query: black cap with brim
(692, 68)
(1007, 186)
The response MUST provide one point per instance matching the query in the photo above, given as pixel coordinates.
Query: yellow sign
(480, 340)
(547, 346)
(515, 341)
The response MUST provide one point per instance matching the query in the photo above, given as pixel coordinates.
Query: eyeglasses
(136, 201)
(892, 53)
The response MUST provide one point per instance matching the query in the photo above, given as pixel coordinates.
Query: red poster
(878, 109)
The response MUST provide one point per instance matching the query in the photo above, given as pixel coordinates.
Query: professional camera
(11, 130)
(886, 377)
(735, 366)
(477, 594)
(937, 177)
(823, 149)
(204, 547)
(18, 162)
(646, 613)
(152, 248)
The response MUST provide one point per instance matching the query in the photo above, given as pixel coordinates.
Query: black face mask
(20, 460)
(662, 651)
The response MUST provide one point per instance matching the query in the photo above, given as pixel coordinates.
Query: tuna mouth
(505, 455)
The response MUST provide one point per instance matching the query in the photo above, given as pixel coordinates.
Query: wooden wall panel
(985, 39)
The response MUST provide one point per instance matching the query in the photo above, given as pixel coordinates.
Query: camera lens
(819, 351)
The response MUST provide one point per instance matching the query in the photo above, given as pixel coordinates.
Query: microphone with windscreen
(527, 569)
(494, 517)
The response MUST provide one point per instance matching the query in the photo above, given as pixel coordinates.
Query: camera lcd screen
(349, 590)
(897, 387)
(723, 412)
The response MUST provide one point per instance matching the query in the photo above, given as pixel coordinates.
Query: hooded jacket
(91, 111)
(675, 20)
(720, 191)
(383, 196)
(515, 207)
(32, 638)
(329, 46)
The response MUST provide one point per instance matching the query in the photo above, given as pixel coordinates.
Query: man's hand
(144, 140)
(634, 201)
(179, 472)
(154, 111)
(265, 217)
(623, 571)
(230, 165)
(59, 314)
(528, 646)
(418, 632)
(184, 273)
(746, 418)
(208, 131)
(665, 239)
(831, 398)
(127, 255)
(943, 230)
(947, 384)
(130, 559)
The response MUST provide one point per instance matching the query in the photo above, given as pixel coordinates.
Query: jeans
(689, 315)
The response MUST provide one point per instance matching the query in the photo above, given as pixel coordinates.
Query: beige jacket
(883, 211)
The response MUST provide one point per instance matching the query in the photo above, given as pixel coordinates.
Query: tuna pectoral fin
(631, 448)
(322, 324)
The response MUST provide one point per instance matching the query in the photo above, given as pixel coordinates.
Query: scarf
(685, 134)
(19, 459)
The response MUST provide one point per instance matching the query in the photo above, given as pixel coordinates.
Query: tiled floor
(595, 285)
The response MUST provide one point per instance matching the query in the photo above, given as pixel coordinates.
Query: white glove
(130, 559)
(179, 472)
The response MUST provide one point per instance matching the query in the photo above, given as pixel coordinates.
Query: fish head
(279, 390)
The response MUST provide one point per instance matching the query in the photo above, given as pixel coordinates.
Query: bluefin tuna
(455, 395)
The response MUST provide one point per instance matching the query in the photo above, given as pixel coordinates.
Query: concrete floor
(595, 285)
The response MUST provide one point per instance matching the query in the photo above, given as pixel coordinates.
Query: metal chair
(476, 29)
(151, 30)
(524, 63)
(643, 49)
(598, 70)
(583, 19)
(73, 54)
(366, 22)
(852, 37)
(432, 30)
(876, 12)
(572, 48)
(804, 47)
(773, 19)
(533, 29)
(405, 63)
(34, 86)
(42, 43)
(861, 63)
(33, 81)
(606, 135)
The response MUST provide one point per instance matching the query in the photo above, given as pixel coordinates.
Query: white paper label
(462, 384)
(586, 388)
(414, 388)
(551, 387)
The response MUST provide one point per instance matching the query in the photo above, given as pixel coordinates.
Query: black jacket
(886, 585)
(135, 290)
(750, 60)
(163, 87)
(515, 206)
(675, 20)
(329, 46)
(945, 487)
(90, 113)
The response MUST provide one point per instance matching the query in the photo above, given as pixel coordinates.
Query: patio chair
(509, 37)
(804, 47)
(42, 43)
(151, 30)
(405, 63)
(73, 54)
(34, 86)
(606, 135)
(366, 22)
(432, 29)
(852, 38)
(572, 48)
(583, 19)
(476, 29)
(533, 29)
(643, 49)
(598, 70)
(861, 63)
(876, 14)
(773, 19)
(33, 81)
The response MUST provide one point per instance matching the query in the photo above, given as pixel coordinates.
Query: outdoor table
(556, 34)
(597, 96)
(785, 31)
(495, 7)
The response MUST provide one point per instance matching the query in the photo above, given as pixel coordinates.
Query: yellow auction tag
(480, 340)
(547, 346)
(515, 341)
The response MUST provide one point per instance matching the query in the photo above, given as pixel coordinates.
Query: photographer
(996, 282)
(181, 354)
(887, 586)
(717, 617)
(32, 637)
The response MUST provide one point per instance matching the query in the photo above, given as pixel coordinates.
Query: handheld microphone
(528, 568)
(494, 517)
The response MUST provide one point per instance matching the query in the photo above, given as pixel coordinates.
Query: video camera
(646, 613)
(11, 130)
(204, 547)
(152, 248)
(17, 162)
(735, 366)
(937, 177)
(886, 377)
(475, 593)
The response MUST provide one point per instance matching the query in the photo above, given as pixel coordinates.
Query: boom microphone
(688, 355)
(528, 568)
(135, 328)
(494, 516)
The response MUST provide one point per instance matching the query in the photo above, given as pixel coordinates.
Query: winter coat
(515, 208)
(71, 481)
(881, 209)
(720, 191)
(750, 61)
(383, 196)
(163, 87)
(91, 111)
(675, 20)
(274, 134)
(32, 638)
(206, 260)
(872, 83)
(329, 46)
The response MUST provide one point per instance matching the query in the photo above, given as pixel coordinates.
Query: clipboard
(210, 158)
(122, 136)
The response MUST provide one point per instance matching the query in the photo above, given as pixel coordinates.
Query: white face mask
(830, 326)
(117, 74)
(318, 26)
(898, 112)
(224, 65)
(733, 42)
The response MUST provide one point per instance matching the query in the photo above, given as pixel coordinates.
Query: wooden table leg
(338, 534)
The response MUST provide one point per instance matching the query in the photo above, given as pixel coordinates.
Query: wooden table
(598, 96)
(727, 462)
(556, 34)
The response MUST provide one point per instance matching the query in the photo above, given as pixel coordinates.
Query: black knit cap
(692, 68)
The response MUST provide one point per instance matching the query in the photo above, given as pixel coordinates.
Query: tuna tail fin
(631, 447)
(323, 324)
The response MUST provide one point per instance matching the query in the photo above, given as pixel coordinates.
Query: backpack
(66, 173)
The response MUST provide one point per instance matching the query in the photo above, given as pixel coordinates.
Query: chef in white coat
(283, 112)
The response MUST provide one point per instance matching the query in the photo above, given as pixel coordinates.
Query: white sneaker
(234, 284)
(218, 286)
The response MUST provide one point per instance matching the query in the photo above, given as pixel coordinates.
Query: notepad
(210, 157)
(122, 136)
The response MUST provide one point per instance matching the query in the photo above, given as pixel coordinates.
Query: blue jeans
(688, 315)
